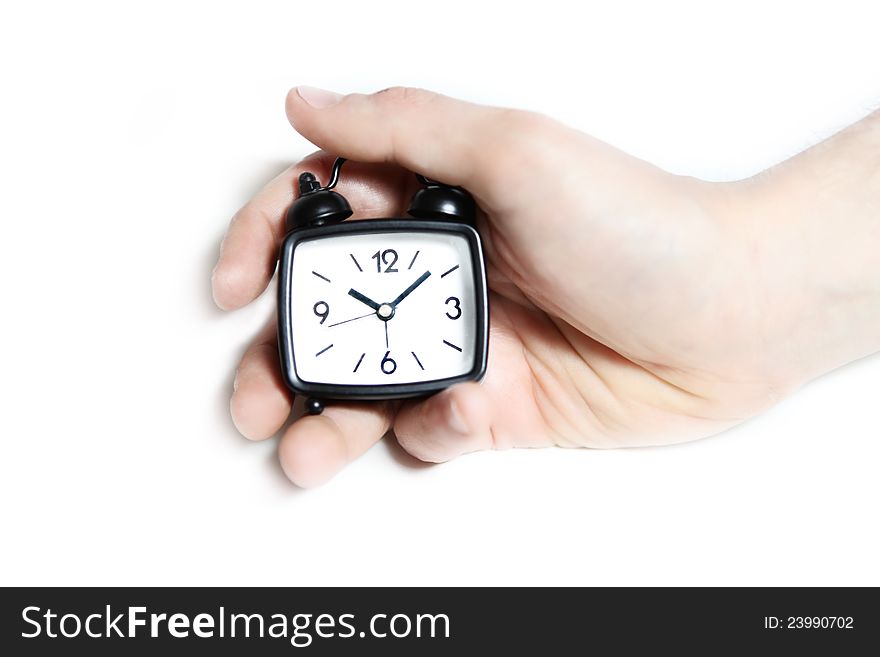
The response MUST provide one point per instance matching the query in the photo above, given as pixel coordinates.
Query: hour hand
(363, 299)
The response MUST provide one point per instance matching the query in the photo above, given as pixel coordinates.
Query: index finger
(247, 253)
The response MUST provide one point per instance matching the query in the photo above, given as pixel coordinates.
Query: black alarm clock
(384, 308)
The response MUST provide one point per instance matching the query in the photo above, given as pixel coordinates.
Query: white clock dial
(383, 308)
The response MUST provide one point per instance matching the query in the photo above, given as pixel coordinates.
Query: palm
(617, 365)
(557, 386)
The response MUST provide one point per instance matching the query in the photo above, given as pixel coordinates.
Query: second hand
(346, 321)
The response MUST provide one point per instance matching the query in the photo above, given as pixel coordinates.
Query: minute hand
(403, 295)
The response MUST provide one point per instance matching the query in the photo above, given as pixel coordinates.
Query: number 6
(385, 360)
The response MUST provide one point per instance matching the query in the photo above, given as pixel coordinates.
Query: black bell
(316, 206)
(435, 201)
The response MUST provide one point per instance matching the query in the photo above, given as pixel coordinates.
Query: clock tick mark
(417, 359)
(356, 263)
(324, 277)
(448, 271)
(444, 342)
(359, 362)
(414, 260)
(330, 345)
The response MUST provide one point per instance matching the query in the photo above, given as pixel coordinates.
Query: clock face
(383, 308)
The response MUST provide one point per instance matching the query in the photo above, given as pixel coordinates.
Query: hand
(629, 306)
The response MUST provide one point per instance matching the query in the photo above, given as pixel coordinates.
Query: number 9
(322, 312)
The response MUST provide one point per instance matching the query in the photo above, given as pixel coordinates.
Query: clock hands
(346, 321)
(363, 299)
(403, 295)
(384, 311)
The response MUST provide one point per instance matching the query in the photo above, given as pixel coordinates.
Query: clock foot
(314, 406)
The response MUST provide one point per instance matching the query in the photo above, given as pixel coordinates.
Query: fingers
(260, 402)
(442, 427)
(453, 422)
(248, 252)
(250, 248)
(316, 447)
(440, 137)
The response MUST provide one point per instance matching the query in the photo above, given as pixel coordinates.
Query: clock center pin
(385, 311)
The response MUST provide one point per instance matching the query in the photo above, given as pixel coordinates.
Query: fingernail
(215, 292)
(456, 420)
(318, 98)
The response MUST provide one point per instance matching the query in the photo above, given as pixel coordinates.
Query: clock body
(382, 308)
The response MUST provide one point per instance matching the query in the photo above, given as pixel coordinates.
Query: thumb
(445, 139)
(453, 422)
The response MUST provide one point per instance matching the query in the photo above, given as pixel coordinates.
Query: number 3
(456, 303)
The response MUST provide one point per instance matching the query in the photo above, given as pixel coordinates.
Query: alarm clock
(383, 308)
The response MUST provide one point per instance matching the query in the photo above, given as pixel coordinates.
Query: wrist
(812, 230)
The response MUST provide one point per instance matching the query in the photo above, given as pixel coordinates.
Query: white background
(131, 132)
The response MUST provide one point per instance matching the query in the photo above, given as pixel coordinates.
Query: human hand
(628, 306)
